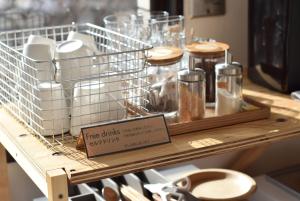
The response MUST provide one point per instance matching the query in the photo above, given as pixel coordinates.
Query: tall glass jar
(162, 75)
(167, 36)
(228, 88)
(191, 95)
(206, 55)
(168, 31)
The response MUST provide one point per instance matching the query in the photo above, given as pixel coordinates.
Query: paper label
(125, 135)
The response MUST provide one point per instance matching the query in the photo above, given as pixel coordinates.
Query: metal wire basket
(60, 95)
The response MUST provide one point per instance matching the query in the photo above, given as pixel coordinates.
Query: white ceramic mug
(35, 39)
(95, 101)
(74, 64)
(87, 40)
(43, 66)
(100, 62)
(53, 109)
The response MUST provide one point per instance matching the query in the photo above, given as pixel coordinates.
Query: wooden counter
(45, 168)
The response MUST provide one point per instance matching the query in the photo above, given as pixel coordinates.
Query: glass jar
(168, 31)
(162, 75)
(206, 55)
(191, 95)
(228, 88)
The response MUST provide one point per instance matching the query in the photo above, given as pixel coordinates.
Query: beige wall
(231, 27)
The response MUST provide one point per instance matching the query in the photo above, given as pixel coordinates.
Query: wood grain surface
(284, 122)
(207, 49)
(164, 55)
(4, 181)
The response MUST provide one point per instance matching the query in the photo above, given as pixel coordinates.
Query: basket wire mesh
(60, 96)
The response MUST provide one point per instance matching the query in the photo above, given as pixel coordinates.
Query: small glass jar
(206, 55)
(228, 88)
(191, 95)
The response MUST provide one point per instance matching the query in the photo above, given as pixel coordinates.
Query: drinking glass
(134, 25)
(168, 31)
(121, 23)
(143, 23)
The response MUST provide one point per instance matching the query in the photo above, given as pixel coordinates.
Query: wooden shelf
(37, 160)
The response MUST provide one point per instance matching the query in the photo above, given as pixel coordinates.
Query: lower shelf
(126, 187)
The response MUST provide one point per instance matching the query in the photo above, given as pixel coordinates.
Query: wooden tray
(257, 112)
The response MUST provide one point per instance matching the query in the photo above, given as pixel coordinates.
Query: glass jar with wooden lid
(206, 55)
(165, 63)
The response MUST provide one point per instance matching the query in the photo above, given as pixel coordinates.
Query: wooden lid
(164, 55)
(215, 49)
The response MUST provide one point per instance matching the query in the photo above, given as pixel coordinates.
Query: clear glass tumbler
(168, 31)
(121, 23)
(143, 23)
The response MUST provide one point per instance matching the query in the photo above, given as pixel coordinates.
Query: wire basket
(62, 95)
(17, 19)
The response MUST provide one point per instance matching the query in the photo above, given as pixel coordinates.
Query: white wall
(21, 186)
(231, 28)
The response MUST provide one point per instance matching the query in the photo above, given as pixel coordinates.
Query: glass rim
(107, 19)
(172, 18)
(159, 13)
(148, 16)
(163, 13)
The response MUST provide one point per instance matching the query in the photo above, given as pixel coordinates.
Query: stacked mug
(67, 79)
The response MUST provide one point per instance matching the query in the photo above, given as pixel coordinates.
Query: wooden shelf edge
(24, 161)
(88, 176)
(57, 182)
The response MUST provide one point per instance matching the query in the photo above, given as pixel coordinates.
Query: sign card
(125, 135)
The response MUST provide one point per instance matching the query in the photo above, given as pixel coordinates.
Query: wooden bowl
(221, 185)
